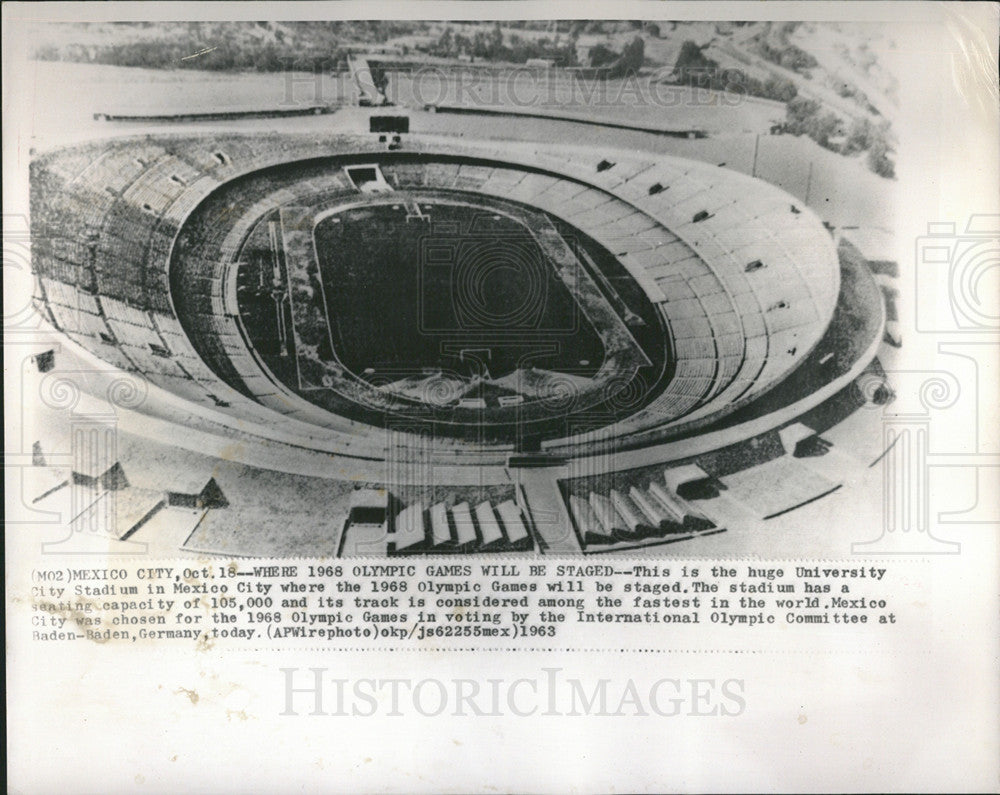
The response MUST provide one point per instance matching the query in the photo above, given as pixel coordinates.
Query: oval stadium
(353, 343)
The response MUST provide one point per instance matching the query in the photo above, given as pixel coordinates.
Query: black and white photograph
(558, 287)
(504, 329)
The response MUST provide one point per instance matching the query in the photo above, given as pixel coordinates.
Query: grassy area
(217, 46)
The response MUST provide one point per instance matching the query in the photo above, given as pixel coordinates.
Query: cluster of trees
(788, 56)
(866, 136)
(634, 55)
(224, 56)
(781, 51)
(601, 55)
(851, 91)
(606, 64)
(694, 68)
(802, 116)
(494, 46)
(605, 26)
(237, 46)
(807, 117)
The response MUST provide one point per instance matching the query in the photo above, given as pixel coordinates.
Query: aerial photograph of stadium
(505, 288)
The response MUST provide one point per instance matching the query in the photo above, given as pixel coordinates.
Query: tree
(822, 128)
(691, 57)
(633, 57)
(445, 43)
(779, 88)
(601, 56)
(496, 41)
(860, 136)
(878, 156)
(799, 114)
